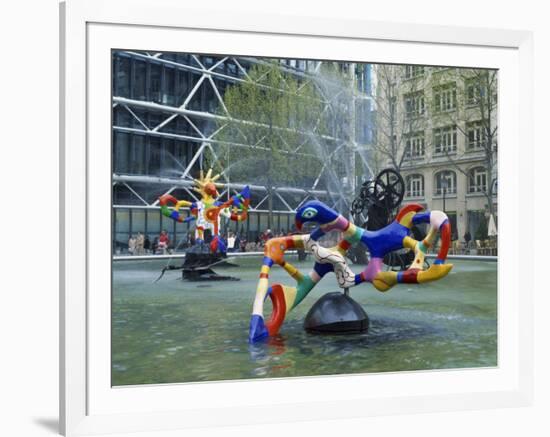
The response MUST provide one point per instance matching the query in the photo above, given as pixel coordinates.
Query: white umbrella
(492, 228)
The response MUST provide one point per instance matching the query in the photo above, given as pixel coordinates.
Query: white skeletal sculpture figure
(344, 276)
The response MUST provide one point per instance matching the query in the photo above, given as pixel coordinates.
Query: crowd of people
(141, 244)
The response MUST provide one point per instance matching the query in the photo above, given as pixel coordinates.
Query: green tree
(482, 230)
(268, 137)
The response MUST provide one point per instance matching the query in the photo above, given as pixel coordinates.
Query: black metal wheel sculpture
(392, 188)
(372, 193)
(378, 201)
(357, 206)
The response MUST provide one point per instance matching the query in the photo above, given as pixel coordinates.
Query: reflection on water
(175, 331)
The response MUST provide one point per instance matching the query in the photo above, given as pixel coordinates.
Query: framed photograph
(277, 218)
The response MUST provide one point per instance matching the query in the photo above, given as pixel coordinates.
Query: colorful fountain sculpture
(209, 248)
(393, 237)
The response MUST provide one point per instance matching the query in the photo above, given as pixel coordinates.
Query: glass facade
(151, 140)
(128, 222)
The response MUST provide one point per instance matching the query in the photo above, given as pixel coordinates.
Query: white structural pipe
(205, 115)
(189, 183)
(157, 207)
(154, 133)
(251, 254)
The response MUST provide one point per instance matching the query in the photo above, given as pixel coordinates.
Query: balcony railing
(439, 191)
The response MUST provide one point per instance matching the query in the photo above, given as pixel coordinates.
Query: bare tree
(467, 99)
(400, 107)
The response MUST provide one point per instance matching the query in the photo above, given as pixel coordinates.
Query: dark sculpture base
(198, 263)
(336, 313)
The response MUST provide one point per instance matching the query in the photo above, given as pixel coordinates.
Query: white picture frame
(88, 404)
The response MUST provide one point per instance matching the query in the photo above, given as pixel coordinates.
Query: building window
(445, 182)
(413, 71)
(445, 139)
(121, 117)
(121, 145)
(414, 104)
(445, 98)
(473, 91)
(476, 135)
(477, 180)
(415, 145)
(231, 68)
(122, 75)
(155, 83)
(153, 156)
(169, 86)
(139, 81)
(136, 164)
(415, 185)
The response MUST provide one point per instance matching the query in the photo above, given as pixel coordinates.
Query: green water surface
(179, 331)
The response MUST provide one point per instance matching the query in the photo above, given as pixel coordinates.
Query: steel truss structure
(211, 82)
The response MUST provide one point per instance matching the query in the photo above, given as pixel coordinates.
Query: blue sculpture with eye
(390, 238)
(316, 212)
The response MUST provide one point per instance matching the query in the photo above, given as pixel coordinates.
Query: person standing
(243, 244)
(230, 242)
(140, 243)
(467, 239)
(131, 245)
(147, 244)
(258, 241)
(164, 241)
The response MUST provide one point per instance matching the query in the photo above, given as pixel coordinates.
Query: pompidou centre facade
(167, 113)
